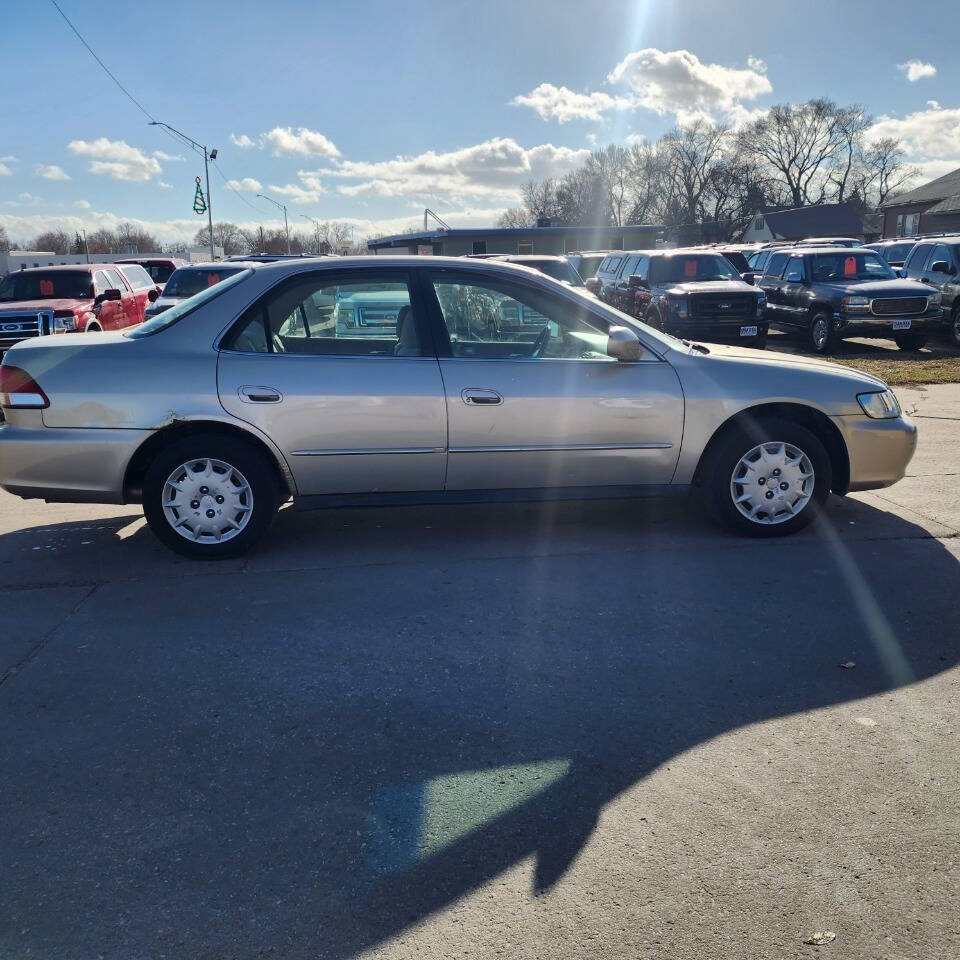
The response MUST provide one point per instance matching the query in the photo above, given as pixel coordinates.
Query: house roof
(822, 220)
(946, 186)
(949, 205)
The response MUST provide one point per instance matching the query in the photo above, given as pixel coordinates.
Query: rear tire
(214, 520)
(910, 341)
(731, 473)
(93, 327)
(823, 337)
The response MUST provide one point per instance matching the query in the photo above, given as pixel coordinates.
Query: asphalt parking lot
(578, 731)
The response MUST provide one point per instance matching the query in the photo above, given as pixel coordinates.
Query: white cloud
(563, 104)
(243, 141)
(308, 191)
(491, 171)
(9, 158)
(300, 143)
(933, 133)
(168, 157)
(247, 183)
(24, 200)
(677, 81)
(51, 172)
(917, 70)
(164, 185)
(5, 171)
(82, 204)
(755, 63)
(117, 159)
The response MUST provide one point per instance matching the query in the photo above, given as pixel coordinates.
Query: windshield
(588, 266)
(558, 269)
(848, 266)
(47, 285)
(187, 281)
(738, 260)
(178, 312)
(691, 268)
(896, 252)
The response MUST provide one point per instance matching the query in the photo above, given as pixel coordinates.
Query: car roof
(65, 268)
(524, 257)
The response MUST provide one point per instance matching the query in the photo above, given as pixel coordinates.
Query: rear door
(539, 404)
(338, 369)
(129, 312)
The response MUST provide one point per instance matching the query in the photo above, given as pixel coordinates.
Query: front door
(337, 369)
(791, 305)
(533, 400)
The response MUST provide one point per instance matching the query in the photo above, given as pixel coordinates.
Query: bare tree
(103, 241)
(4, 240)
(612, 167)
(581, 198)
(540, 198)
(515, 217)
(133, 238)
(689, 157)
(225, 234)
(56, 240)
(884, 171)
(646, 179)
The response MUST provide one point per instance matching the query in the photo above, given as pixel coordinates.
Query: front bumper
(714, 331)
(868, 325)
(66, 465)
(879, 450)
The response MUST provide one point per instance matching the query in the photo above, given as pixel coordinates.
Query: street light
(208, 155)
(316, 228)
(286, 226)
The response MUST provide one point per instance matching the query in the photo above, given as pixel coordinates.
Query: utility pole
(316, 229)
(208, 155)
(86, 249)
(286, 225)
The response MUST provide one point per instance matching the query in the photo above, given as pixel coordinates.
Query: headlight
(933, 300)
(856, 304)
(63, 324)
(879, 406)
(678, 306)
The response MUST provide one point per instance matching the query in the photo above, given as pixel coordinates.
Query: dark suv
(693, 293)
(893, 251)
(936, 262)
(832, 293)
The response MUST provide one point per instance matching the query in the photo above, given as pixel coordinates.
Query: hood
(877, 288)
(62, 303)
(770, 358)
(712, 286)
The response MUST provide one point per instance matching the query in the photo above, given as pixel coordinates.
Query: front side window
(941, 252)
(324, 315)
(488, 319)
(918, 256)
(795, 265)
(775, 266)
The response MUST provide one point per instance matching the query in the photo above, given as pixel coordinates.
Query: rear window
(737, 259)
(138, 277)
(169, 317)
(895, 252)
(188, 281)
(46, 285)
(588, 266)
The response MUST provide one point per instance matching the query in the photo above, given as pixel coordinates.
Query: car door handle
(477, 396)
(260, 395)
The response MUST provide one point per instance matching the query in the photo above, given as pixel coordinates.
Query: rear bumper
(879, 450)
(68, 465)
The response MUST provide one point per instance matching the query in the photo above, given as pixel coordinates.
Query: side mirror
(153, 295)
(940, 266)
(794, 278)
(750, 278)
(623, 344)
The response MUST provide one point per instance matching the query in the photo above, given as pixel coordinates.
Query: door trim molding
(561, 447)
(360, 451)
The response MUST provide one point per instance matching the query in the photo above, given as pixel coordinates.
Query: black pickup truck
(832, 293)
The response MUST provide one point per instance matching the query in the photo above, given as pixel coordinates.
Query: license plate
(748, 331)
(901, 324)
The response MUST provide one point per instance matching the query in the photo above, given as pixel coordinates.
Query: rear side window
(330, 316)
(775, 267)
(614, 265)
(630, 267)
(138, 277)
(918, 256)
(116, 280)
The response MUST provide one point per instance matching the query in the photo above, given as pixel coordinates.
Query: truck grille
(15, 327)
(898, 306)
(718, 306)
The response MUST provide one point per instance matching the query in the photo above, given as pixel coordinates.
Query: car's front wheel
(209, 497)
(955, 324)
(767, 478)
(823, 336)
(910, 341)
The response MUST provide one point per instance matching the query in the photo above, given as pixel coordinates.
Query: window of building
(758, 223)
(479, 246)
(524, 246)
(569, 244)
(911, 225)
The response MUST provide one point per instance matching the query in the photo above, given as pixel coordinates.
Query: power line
(106, 69)
(226, 182)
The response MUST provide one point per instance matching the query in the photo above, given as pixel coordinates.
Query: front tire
(823, 337)
(955, 324)
(209, 497)
(767, 478)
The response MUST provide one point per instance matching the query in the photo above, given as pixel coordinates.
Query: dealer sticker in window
(748, 331)
(901, 324)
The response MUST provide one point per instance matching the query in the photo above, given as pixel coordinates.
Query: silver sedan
(381, 380)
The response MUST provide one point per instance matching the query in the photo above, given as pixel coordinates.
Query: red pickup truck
(71, 297)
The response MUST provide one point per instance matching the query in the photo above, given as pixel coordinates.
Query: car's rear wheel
(93, 327)
(823, 337)
(209, 497)
(768, 478)
(910, 341)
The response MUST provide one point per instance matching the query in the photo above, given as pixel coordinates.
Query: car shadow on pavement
(384, 710)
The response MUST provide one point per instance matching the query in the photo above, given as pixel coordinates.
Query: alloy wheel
(207, 501)
(821, 330)
(772, 483)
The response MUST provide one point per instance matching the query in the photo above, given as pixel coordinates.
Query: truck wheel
(209, 497)
(909, 341)
(823, 337)
(767, 478)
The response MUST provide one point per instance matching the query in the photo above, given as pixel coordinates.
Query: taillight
(19, 391)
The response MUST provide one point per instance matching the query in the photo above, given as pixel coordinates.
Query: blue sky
(368, 112)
